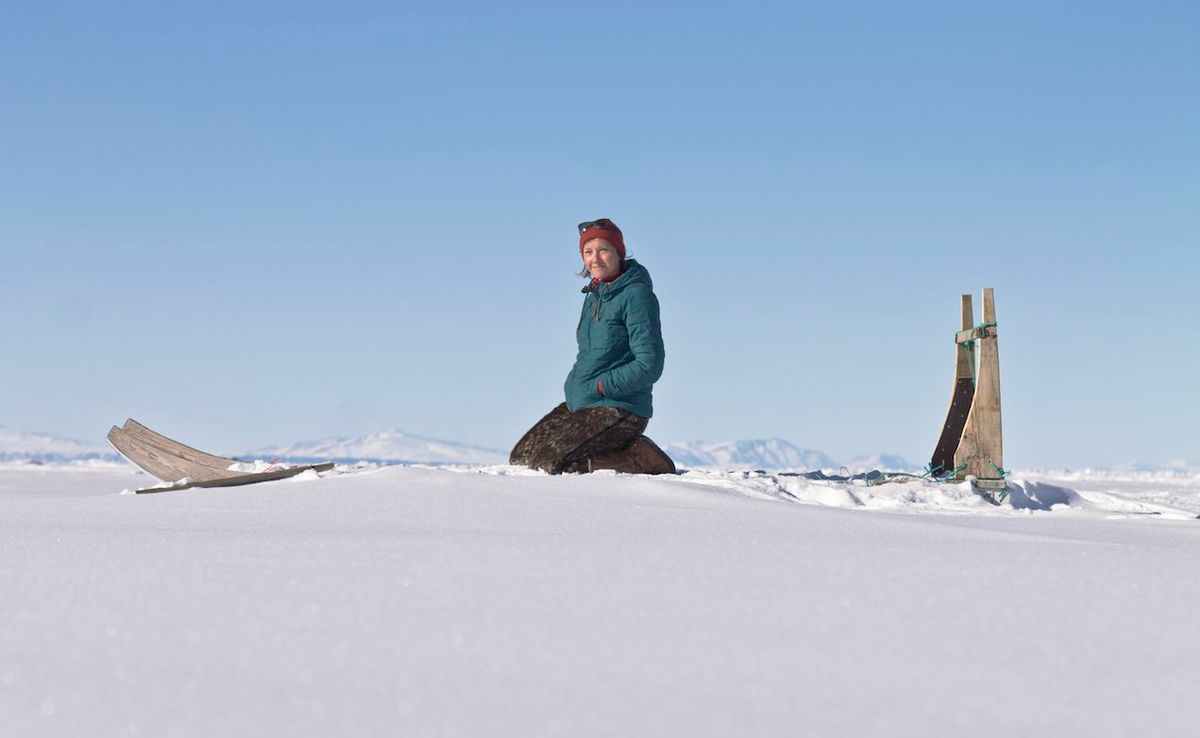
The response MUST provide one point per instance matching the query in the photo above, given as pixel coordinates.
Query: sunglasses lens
(599, 223)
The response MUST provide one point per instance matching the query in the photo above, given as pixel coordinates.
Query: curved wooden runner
(960, 400)
(149, 458)
(163, 463)
(243, 479)
(170, 445)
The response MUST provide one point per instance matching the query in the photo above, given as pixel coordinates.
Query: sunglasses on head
(598, 223)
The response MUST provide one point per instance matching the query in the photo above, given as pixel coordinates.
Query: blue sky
(247, 223)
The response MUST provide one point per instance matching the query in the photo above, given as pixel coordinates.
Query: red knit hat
(602, 228)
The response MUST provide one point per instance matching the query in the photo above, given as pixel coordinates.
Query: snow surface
(494, 601)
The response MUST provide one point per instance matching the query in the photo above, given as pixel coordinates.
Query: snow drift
(494, 601)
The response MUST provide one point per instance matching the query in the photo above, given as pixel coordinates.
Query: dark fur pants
(563, 440)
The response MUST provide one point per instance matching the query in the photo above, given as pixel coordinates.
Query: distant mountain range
(18, 445)
(384, 447)
(766, 453)
(397, 447)
(772, 453)
(882, 462)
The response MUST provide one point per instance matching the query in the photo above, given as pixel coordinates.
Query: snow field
(494, 601)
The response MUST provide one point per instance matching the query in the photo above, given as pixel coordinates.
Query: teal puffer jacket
(620, 344)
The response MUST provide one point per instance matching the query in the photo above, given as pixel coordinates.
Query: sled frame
(185, 467)
(971, 442)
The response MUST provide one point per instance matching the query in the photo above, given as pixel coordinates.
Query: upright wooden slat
(965, 366)
(960, 398)
(981, 449)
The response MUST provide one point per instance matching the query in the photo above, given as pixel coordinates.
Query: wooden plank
(148, 463)
(981, 448)
(974, 334)
(157, 462)
(956, 419)
(170, 445)
(242, 479)
(991, 484)
(965, 366)
(199, 464)
(960, 398)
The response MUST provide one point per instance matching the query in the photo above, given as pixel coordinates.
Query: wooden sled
(185, 467)
(971, 443)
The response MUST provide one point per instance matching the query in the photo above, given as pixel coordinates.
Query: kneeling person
(609, 390)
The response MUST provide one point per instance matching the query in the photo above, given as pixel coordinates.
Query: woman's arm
(646, 345)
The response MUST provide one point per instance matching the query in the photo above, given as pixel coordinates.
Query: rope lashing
(1002, 472)
(1001, 495)
(938, 474)
(969, 345)
(982, 331)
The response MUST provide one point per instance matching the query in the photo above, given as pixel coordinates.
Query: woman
(609, 390)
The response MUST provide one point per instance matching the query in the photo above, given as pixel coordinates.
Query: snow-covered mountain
(16, 445)
(388, 446)
(396, 446)
(882, 462)
(1182, 465)
(763, 453)
(1175, 466)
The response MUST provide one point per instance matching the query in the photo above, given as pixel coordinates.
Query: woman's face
(601, 259)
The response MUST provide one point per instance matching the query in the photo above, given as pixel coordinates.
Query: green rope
(938, 474)
(970, 342)
(1004, 476)
(1002, 472)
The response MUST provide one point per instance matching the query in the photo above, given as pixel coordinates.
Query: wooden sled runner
(185, 467)
(971, 441)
